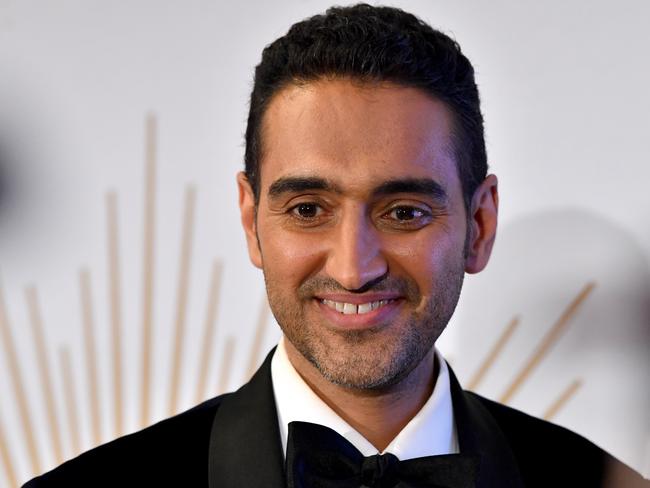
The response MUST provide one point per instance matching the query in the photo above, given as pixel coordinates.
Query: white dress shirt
(431, 432)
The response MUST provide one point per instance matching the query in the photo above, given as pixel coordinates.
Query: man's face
(360, 226)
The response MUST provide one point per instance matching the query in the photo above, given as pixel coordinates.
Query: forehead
(357, 133)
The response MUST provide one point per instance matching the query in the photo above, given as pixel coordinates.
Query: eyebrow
(421, 186)
(293, 184)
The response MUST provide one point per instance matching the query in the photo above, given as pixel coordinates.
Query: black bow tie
(318, 457)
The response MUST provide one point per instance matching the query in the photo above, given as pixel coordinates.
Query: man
(365, 199)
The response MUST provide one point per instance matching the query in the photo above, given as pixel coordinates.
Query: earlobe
(483, 224)
(247, 210)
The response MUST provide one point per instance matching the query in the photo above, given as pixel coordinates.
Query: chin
(367, 367)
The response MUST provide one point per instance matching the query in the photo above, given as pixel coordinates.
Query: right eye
(306, 210)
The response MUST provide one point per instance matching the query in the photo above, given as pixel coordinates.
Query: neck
(377, 415)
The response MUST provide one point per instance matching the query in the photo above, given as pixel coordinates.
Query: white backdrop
(564, 89)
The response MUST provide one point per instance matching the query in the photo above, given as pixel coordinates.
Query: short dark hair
(373, 44)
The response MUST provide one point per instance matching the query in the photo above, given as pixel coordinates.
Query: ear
(247, 210)
(482, 225)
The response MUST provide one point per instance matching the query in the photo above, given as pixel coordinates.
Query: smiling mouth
(346, 308)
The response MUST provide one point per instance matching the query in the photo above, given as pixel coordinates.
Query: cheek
(426, 249)
(429, 260)
(292, 255)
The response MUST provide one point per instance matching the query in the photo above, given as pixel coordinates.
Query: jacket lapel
(480, 435)
(245, 447)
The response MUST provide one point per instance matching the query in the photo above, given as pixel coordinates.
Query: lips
(347, 308)
(358, 312)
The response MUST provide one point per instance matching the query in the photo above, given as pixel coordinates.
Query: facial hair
(379, 357)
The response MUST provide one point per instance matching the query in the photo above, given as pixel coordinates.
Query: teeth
(352, 308)
(365, 308)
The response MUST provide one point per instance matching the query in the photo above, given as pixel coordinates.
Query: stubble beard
(373, 359)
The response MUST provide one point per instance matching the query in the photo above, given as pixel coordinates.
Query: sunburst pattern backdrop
(125, 290)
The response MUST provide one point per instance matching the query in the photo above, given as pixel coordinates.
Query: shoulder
(527, 432)
(173, 451)
(550, 455)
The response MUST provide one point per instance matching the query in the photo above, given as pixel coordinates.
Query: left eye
(404, 214)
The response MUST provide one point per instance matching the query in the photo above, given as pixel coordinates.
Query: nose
(355, 256)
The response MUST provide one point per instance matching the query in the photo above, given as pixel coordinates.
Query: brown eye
(306, 210)
(406, 213)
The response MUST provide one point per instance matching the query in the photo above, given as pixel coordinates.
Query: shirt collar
(431, 432)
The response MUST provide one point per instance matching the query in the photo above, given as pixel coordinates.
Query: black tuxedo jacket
(233, 441)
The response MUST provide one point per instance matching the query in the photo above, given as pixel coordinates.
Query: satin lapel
(479, 434)
(245, 446)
